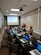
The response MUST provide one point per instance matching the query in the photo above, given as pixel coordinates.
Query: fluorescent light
(13, 14)
(14, 9)
(33, 0)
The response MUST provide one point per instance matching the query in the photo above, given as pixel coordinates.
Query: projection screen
(12, 20)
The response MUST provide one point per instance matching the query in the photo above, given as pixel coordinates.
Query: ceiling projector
(21, 9)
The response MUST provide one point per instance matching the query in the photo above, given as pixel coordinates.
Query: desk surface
(24, 42)
(25, 46)
(19, 34)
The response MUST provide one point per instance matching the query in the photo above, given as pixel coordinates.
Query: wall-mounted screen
(12, 20)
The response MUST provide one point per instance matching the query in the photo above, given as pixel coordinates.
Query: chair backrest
(14, 48)
(40, 38)
(34, 41)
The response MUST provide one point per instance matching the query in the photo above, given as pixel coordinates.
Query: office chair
(40, 38)
(34, 41)
(14, 48)
(24, 30)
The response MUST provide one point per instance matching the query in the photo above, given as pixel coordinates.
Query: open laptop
(24, 39)
(36, 51)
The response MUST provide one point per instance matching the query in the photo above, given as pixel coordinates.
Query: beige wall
(1, 26)
(30, 19)
(40, 19)
(33, 18)
(1, 20)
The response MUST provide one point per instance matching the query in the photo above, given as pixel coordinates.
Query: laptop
(24, 39)
(26, 36)
(36, 51)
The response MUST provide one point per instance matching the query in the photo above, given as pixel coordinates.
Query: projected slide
(12, 20)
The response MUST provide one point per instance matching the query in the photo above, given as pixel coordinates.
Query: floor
(4, 48)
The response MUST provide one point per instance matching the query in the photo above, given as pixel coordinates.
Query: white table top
(19, 34)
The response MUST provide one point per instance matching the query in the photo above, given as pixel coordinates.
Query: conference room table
(35, 50)
(25, 46)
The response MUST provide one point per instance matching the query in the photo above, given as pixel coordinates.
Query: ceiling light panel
(13, 14)
(14, 9)
(33, 0)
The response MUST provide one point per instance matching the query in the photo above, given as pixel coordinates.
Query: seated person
(40, 38)
(9, 30)
(31, 30)
(24, 30)
(34, 41)
(24, 27)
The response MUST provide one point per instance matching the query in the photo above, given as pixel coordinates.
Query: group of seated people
(30, 31)
(11, 35)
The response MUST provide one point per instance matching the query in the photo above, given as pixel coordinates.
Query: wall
(1, 27)
(32, 18)
(1, 20)
(40, 20)
(5, 20)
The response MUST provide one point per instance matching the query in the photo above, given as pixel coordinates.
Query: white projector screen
(12, 20)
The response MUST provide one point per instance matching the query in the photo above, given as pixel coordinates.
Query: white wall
(1, 27)
(33, 18)
(40, 22)
(30, 20)
(1, 20)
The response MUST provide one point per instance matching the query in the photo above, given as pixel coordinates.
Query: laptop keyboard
(36, 53)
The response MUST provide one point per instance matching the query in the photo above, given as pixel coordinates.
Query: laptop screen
(26, 37)
(39, 47)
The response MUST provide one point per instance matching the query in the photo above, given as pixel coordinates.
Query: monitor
(25, 36)
(39, 47)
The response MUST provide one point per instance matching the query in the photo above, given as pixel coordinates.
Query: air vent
(24, 5)
(19, 0)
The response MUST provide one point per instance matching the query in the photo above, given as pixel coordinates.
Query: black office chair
(24, 30)
(13, 48)
(40, 38)
(34, 41)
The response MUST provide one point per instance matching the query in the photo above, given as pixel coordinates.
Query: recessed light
(13, 14)
(7, 11)
(15, 10)
(33, 0)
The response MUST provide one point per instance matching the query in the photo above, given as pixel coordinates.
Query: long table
(25, 46)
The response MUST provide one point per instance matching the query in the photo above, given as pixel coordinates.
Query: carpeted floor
(4, 49)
